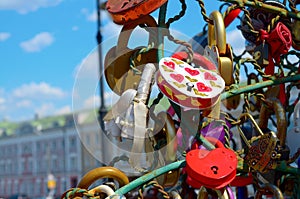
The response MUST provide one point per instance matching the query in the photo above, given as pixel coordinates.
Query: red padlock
(198, 60)
(213, 169)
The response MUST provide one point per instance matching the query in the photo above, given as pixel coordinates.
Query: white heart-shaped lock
(188, 86)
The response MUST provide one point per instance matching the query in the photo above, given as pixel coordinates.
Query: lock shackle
(170, 132)
(242, 119)
(102, 172)
(214, 141)
(270, 105)
(222, 194)
(198, 59)
(129, 27)
(268, 187)
(102, 189)
(216, 32)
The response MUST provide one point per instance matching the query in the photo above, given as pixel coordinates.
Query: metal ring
(102, 172)
(216, 32)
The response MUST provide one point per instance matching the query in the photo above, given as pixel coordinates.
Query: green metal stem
(149, 176)
(259, 85)
(266, 7)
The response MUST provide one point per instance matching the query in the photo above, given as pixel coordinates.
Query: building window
(38, 187)
(72, 142)
(8, 188)
(54, 145)
(2, 167)
(73, 162)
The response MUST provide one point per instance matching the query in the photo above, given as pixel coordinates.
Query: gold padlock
(164, 130)
(270, 106)
(263, 150)
(118, 72)
(266, 189)
(102, 172)
(217, 43)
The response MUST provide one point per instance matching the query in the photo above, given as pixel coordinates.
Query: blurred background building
(31, 151)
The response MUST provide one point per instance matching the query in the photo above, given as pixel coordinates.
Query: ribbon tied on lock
(280, 41)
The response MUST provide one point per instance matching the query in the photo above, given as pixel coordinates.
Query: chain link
(155, 185)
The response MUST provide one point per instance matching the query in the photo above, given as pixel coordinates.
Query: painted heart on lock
(209, 76)
(190, 87)
(179, 78)
(170, 64)
(192, 72)
(203, 88)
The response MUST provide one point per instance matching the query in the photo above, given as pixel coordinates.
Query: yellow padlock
(217, 43)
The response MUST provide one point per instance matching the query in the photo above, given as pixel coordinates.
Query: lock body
(118, 72)
(213, 169)
(187, 86)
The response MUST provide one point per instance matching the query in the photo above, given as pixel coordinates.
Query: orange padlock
(118, 72)
(212, 169)
(129, 10)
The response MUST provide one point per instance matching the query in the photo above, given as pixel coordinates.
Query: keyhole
(214, 169)
(189, 86)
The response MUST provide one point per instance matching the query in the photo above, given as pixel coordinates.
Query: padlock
(198, 60)
(260, 21)
(118, 73)
(213, 169)
(267, 189)
(164, 132)
(219, 52)
(263, 150)
(190, 87)
(293, 136)
(225, 193)
(270, 106)
(102, 172)
(129, 10)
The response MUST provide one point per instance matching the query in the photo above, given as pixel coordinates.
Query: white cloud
(63, 110)
(24, 7)
(38, 91)
(236, 40)
(110, 99)
(45, 109)
(92, 16)
(24, 103)
(38, 42)
(4, 36)
(89, 67)
(110, 29)
(91, 102)
(2, 100)
(75, 28)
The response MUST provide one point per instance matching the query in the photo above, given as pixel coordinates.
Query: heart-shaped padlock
(187, 86)
(198, 60)
(118, 73)
(213, 169)
(129, 10)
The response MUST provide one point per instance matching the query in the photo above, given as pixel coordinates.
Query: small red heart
(209, 76)
(192, 71)
(203, 88)
(170, 64)
(179, 78)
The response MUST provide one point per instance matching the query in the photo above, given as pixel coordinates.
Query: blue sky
(44, 43)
